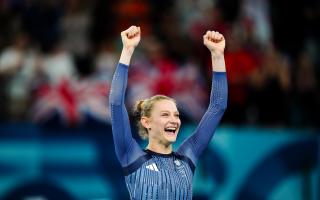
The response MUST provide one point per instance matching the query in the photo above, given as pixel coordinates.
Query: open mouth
(171, 130)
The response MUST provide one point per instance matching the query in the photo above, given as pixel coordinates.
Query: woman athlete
(158, 172)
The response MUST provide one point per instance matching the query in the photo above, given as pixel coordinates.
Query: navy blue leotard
(150, 175)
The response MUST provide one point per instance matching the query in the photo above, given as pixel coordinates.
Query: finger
(206, 36)
(209, 35)
(133, 31)
(219, 37)
(130, 31)
(127, 32)
(222, 37)
(136, 31)
(130, 28)
(205, 39)
(124, 33)
(214, 36)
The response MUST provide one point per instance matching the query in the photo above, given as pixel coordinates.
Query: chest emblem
(177, 162)
(152, 167)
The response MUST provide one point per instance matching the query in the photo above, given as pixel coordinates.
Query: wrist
(126, 55)
(218, 62)
(216, 54)
(128, 50)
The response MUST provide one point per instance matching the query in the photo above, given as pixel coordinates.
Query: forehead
(165, 105)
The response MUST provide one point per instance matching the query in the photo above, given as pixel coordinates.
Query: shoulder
(136, 164)
(185, 159)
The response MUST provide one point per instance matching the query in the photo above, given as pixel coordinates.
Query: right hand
(131, 37)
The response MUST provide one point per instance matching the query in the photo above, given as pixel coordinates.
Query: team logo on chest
(152, 167)
(177, 162)
(180, 167)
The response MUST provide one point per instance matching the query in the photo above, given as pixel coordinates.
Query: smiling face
(164, 123)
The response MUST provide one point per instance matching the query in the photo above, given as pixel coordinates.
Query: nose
(175, 120)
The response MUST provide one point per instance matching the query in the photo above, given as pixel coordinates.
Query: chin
(171, 139)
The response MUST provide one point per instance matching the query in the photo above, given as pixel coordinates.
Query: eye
(177, 115)
(165, 114)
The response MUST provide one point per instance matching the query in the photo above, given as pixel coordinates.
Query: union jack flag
(183, 83)
(73, 101)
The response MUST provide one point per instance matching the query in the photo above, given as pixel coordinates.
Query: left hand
(214, 41)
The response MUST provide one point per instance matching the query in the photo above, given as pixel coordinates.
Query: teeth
(171, 129)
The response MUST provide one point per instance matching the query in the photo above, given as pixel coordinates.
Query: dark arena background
(57, 58)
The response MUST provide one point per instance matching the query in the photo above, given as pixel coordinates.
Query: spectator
(75, 26)
(241, 65)
(105, 61)
(271, 87)
(18, 64)
(58, 65)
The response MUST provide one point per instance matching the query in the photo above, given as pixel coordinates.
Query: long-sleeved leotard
(151, 175)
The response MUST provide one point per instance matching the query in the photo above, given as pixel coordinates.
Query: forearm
(126, 55)
(119, 81)
(198, 141)
(126, 148)
(218, 63)
(214, 113)
(118, 85)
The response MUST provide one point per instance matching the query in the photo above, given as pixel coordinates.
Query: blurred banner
(44, 163)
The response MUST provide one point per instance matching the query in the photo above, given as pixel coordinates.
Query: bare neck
(159, 147)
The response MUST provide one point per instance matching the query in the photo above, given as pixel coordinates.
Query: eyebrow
(166, 111)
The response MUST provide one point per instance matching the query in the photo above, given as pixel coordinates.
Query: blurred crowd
(57, 58)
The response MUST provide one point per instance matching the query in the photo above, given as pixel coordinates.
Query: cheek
(179, 122)
(159, 124)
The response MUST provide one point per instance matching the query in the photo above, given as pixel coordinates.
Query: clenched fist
(131, 37)
(214, 41)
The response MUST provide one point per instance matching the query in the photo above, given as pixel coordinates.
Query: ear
(145, 121)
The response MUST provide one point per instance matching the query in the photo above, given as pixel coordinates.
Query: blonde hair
(143, 108)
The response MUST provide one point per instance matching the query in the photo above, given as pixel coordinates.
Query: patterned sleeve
(127, 149)
(194, 145)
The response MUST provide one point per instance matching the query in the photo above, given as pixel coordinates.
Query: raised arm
(193, 146)
(127, 149)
